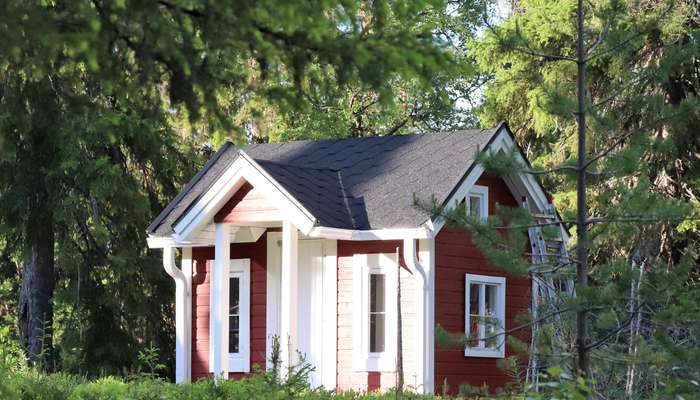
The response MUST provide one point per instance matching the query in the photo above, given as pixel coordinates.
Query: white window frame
(237, 362)
(500, 283)
(363, 266)
(482, 192)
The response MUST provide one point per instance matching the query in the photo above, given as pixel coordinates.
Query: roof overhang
(201, 213)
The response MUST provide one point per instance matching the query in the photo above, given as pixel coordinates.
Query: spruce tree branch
(601, 38)
(174, 7)
(615, 331)
(641, 219)
(527, 50)
(619, 140)
(624, 43)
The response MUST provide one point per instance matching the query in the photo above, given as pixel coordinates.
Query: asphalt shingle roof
(354, 183)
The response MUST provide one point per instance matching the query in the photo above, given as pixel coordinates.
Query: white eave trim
(160, 242)
(373, 234)
(246, 169)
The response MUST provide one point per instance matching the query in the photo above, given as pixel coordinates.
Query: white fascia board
(160, 242)
(374, 234)
(243, 169)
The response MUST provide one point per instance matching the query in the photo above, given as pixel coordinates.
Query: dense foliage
(642, 78)
(108, 107)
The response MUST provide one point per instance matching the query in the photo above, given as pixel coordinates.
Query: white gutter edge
(182, 332)
(374, 234)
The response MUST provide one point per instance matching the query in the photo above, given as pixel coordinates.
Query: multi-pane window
(477, 202)
(234, 314)
(485, 315)
(377, 313)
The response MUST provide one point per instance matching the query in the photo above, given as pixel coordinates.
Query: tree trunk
(582, 210)
(36, 293)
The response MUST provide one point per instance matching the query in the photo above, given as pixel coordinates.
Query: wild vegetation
(108, 107)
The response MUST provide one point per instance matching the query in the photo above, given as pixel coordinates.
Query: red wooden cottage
(304, 241)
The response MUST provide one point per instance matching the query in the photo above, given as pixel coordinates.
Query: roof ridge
(446, 133)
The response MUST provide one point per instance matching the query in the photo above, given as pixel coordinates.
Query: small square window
(477, 202)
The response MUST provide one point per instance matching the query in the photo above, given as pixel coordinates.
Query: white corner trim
(374, 234)
(330, 323)
(500, 282)
(363, 266)
(243, 169)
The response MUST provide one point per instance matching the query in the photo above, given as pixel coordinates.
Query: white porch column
(186, 375)
(218, 283)
(289, 298)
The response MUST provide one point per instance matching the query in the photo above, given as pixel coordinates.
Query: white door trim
(330, 312)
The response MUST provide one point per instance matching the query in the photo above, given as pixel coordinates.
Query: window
(477, 202)
(234, 313)
(485, 300)
(238, 321)
(374, 312)
(377, 313)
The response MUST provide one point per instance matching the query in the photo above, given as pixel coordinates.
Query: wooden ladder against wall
(552, 281)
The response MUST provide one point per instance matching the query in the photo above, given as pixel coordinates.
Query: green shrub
(108, 388)
(34, 385)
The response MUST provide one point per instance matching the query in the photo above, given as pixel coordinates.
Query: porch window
(234, 313)
(485, 298)
(477, 202)
(374, 312)
(238, 321)
(377, 313)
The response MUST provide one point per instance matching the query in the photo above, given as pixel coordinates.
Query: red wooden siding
(203, 261)
(248, 205)
(456, 255)
(364, 381)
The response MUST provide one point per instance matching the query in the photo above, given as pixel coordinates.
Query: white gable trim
(243, 169)
(520, 184)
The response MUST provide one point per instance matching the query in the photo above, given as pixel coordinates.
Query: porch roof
(354, 183)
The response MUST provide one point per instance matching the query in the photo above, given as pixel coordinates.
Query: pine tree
(636, 336)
